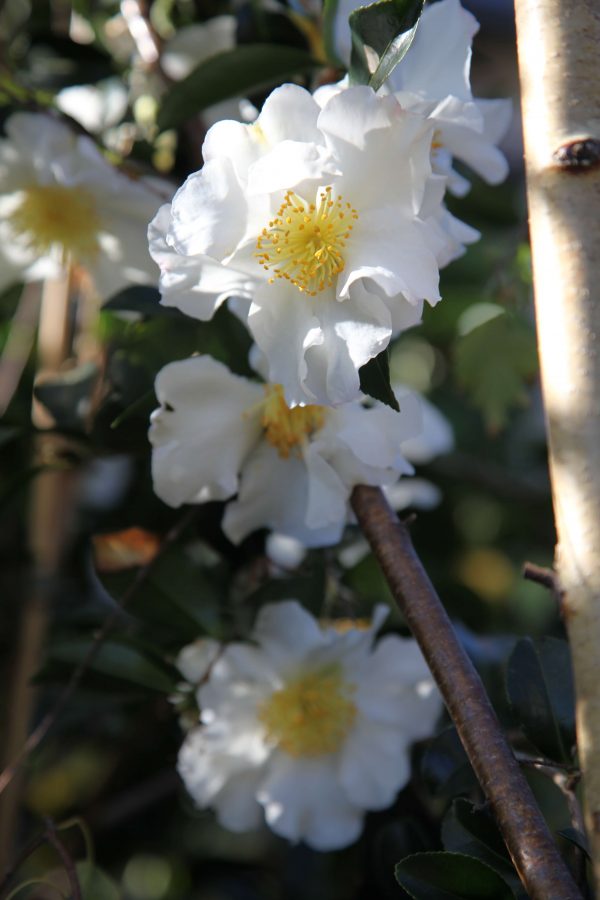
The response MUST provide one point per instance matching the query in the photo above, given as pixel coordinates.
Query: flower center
(55, 215)
(312, 714)
(305, 242)
(287, 428)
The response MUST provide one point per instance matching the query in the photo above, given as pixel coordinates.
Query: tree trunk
(558, 43)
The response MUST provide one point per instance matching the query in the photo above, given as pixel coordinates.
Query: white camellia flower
(60, 201)
(95, 106)
(323, 219)
(307, 727)
(433, 79)
(217, 434)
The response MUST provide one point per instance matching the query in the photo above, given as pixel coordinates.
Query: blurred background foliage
(106, 771)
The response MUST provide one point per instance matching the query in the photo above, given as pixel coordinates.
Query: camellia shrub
(261, 291)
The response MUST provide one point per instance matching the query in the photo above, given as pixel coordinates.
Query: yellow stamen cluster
(305, 242)
(52, 215)
(312, 714)
(287, 428)
(436, 142)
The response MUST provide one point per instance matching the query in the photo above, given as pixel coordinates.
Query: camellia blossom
(323, 220)
(433, 79)
(307, 727)
(61, 202)
(293, 470)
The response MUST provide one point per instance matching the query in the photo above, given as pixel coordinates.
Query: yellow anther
(287, 429)
(52, 215)
(299, 252)
(311, 714)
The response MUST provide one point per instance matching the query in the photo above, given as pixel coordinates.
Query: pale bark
(559, 42)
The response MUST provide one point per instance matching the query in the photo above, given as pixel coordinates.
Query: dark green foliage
(233, 73)
(539, 682)
(388, 27)
(450, 876)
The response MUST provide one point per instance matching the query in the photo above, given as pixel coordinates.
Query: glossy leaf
(330, 12)
(450, 876)
(118, 660)
(539, 684)
(576, 837)
(179, 601)
(472, 830)
(445, 765)
(387, 27)
(493, 363)
(140, 299)
(233, 73)
(375, 380)
(95, 883)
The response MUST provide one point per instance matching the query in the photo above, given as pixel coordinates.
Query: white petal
(208, 212)
(374, 765)
(289, 113)
(303, 802)
(354, 331)
(436, 436)
(291, 164)
(273, 494)
(285, 552)
(397, 689)
(376, 435)
(236, 805)
(415, 492)
(368, 134)
(395, 255)
(283, 324)
(195, 660)
(477, 151)
(497, 116)
(197, 285)
(327, 500)
(203, 432)
(439, 59)
(286, 633)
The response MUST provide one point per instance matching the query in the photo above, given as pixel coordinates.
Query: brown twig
(69, 866)
(534, 854)
(47, 722)
(48, 835)
(27, 851)
(541, 575)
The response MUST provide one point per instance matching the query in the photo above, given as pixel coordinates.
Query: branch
(558, 46)
(527, 838)
(69, 866)
(48, 721)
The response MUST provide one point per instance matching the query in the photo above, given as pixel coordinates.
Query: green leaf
(375, 380)
(450, 876)
(233, 73)
(539, 683)
(388, 27)
(179, 600)
(493, 361)
(576, 837)
(95, 883)
(119, 660)
(471, 830)
(445, 765)
(141, 299)
(330, 12)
